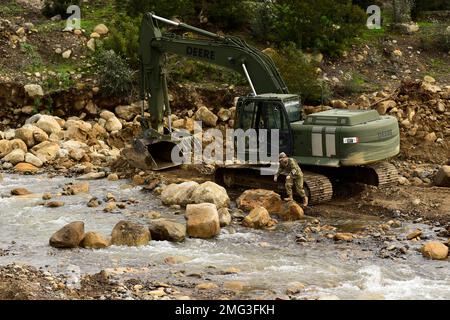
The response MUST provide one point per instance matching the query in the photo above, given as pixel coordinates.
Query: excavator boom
(226, 51)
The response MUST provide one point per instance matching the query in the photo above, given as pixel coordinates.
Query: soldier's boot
(289, 198)
(305, 201)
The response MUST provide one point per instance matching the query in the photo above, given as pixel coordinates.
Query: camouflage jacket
(292, 169)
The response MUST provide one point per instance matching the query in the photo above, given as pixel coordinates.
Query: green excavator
(334, 145)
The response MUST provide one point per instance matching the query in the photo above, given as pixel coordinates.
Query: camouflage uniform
(292, 170)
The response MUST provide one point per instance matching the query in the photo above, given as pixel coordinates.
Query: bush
(429, 5)
(54, 7)
(229, 14)
(183, 69)
(436, 38)
(364, 4)
(123, 39)
(300, 75)
(167, 9)
(262, 20)
(116, 78)
(324, 25)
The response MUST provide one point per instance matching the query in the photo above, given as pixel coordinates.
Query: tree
(324, 25)
(402, 10)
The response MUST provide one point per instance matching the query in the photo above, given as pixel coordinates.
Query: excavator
(334, 145)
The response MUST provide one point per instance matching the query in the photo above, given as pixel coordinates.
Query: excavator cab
(265, 114)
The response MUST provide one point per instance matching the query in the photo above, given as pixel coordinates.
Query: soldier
(294, 176)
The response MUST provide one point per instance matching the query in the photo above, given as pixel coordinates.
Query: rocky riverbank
(173, 260)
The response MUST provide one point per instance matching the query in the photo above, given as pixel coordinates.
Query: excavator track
(386, 173)
(318, 187)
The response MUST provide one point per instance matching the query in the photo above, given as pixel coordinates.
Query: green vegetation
(327, 26)
(300, 75)
(183, 69)
(435, 37)
(123, 39)
(54, 7)
(32, 55)
(11, 8)
(429, 5)
(289, 26)
(356, 84)
(116, 77)
(60, 81)
(229, 14)
(313, 25)
(135, 8)
(324, 25)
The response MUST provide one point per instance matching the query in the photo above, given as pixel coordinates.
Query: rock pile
(193, 193)
(51, 141)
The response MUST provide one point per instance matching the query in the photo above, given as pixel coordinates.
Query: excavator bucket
(154, 152)
(151, 155)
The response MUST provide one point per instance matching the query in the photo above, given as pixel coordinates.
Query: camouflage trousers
(296, 181)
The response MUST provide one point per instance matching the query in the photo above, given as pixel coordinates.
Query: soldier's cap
(282, 156)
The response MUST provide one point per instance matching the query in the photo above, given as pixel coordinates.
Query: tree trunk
(402, 10)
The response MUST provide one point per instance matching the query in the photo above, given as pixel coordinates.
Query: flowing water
(268, 260)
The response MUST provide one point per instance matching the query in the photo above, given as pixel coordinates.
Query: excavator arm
(225, 51)
(153, 149)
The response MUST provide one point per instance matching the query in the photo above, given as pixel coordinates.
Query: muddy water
(269, 260)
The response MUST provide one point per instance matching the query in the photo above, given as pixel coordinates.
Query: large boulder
(128, 113)
(384, 106)
(74, 189)
(49, 124)
(435, 251)
(202, 220)
(224, 114)
(32, 159)
(251, 199)
(26, 135)
(105, 114)
(407, 28)
(34, 90)
(94, 240)
(258, 218)
(178, 193)
(92, 176)
(166, 230)
(442, 178)
(77, 130)
(18, 144)
(39, 135)
(210, 192)
(113, 124)
(101, 29)
(69, 236)
(206, 116)
(16, 156)
(342, 236)
(291, 211)
(46, 151)
(5, 148)
(25, 168)
(224, 217)
(127, 233)
(20, 192)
